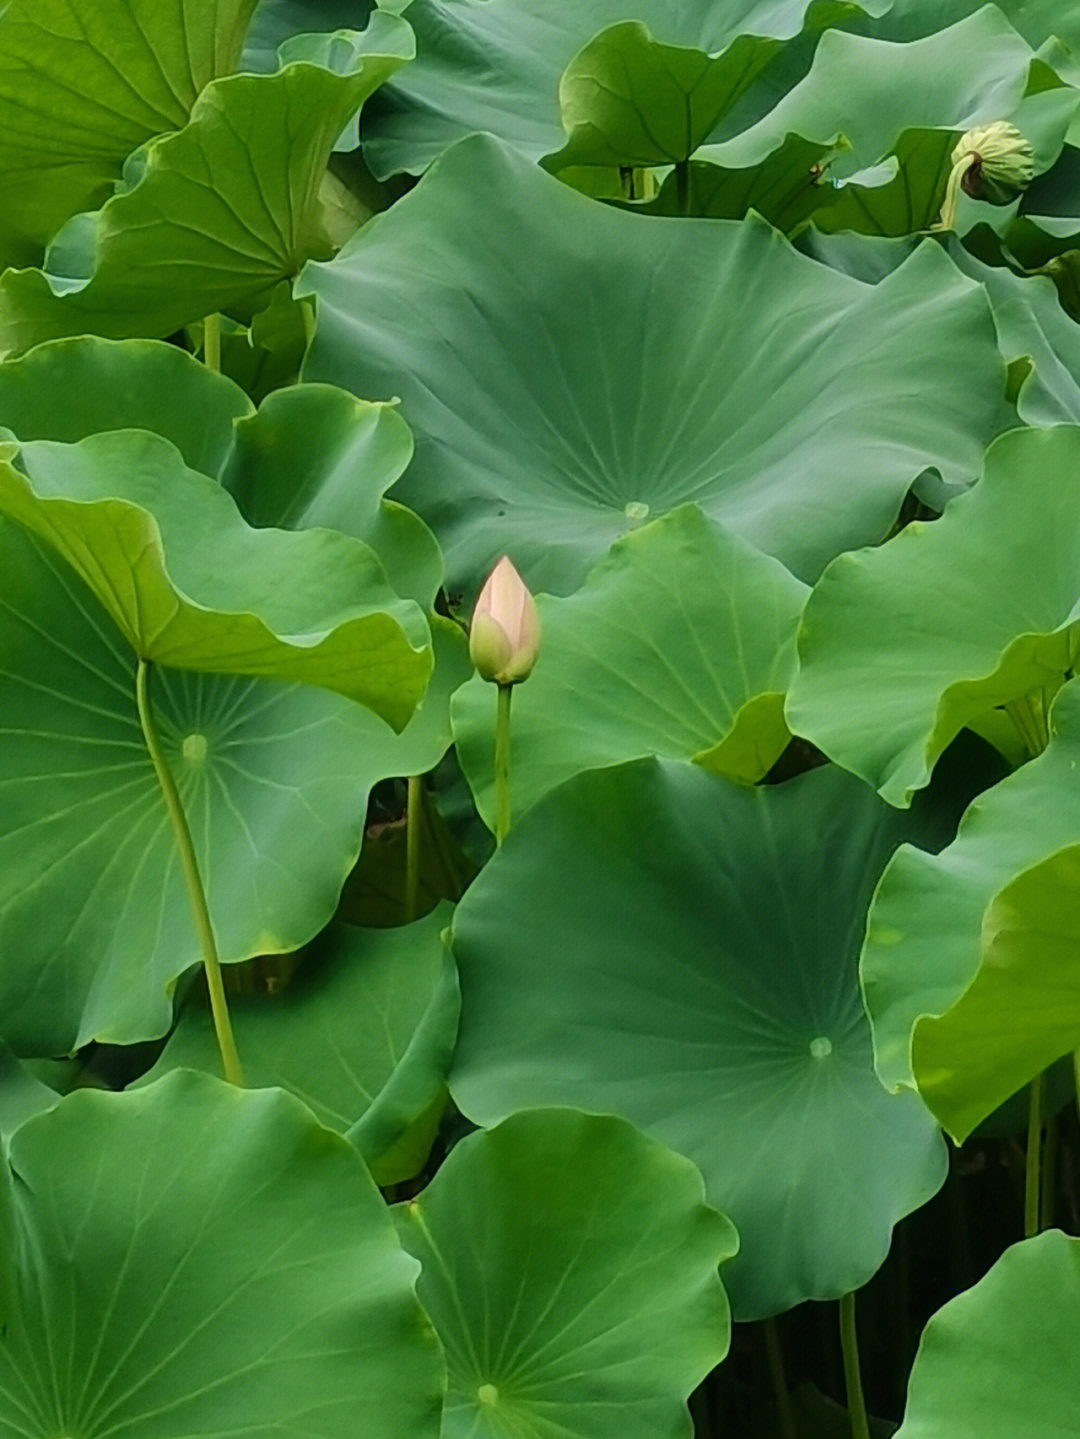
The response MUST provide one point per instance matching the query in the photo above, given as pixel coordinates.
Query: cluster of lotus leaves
(696, 1019)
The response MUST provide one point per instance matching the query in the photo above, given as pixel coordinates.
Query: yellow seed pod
(990, 162)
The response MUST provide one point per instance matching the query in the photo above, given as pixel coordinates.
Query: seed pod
(991, 162)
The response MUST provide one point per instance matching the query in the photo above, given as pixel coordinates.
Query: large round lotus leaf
(189, 584)
(94, 918)
(77, 96)
(198, 1259)
(1001, 1360)
(680, 643)
(568, 1263)
(656, 942)
(869, 90)
(363, 1033)
(950, 618)
(495, 65)
(217, 213)
(925, 928)
(69, 389)
(1021, 1012)
(547, 410)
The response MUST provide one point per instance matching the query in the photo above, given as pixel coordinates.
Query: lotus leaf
(998, 1360)
(918, 614)
(76, 99)
(654, 941)
(237, 1272)
(217, 213)
(363, 1034)
(546, 1248)
(542, 402)
(680, 643)
(925, 927)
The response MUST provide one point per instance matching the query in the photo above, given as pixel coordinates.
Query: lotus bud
(992, 162)
(504, 635)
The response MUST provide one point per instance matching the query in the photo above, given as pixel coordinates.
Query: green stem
(1032, 1161)
(849, 1345)
(413, 818)
(1049, 1163)
(682, 187)
(212, 342)
(188, 863)
(779, 1380)
(502, 763)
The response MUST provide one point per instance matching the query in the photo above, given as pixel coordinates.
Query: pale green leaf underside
(925, 928)
(224, 209)
(1021, 1012)
(707, 991)
(81, 86)
(999, 1360)
(680, 643)
(569, 1268)
(197, 1259)
(191, 586)
(951, 614)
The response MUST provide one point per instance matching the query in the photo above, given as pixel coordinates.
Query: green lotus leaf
(78, 95)
(870, 90)
(22, 1094)
(69, 389)
(786, 189)
(568, 1263)
(1020, 1013)
(274, 777)
(952, 615)
(1037, 338)
(707, 991)
(626, 99)
(237, 1273)
(997, 1361)
(221, 210)
(191, 585)
(495, 65)
(363, 1033)
(316, 457)
(925, 929)
(680, 643)
(276, 21)
(1036, 20)
(520, 323)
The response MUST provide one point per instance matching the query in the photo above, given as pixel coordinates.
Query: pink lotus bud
(505, 632)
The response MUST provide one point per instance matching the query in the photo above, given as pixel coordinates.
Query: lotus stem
(212, 342)
(849, 1346)
(413, 817)
(189, 864)
(502, 763)
(1032, 1162)
(779, 1380)
(682, 186)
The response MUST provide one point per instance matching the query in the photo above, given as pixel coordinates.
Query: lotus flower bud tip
(504, 635)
